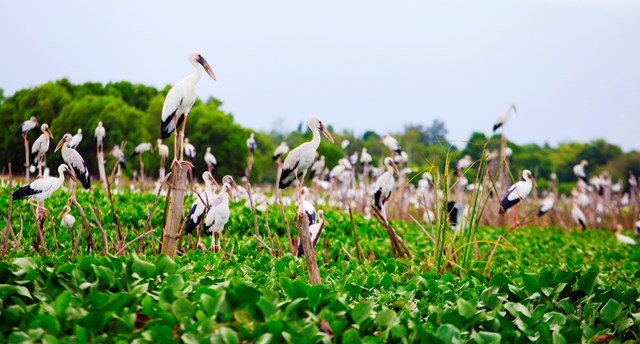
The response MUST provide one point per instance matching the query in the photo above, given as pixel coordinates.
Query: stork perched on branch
(516, 193)
(75, 161)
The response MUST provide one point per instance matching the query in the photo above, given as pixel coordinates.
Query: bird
(141, 148)
(638, 228)
(41, 188)
(392, 143)
(314, 233)
(117, 153)
(67, 219)
(546, 204)
(190, 151)
(502, 120)
(578, 170)
(76, 139)
(309, 209)
(218, 215)
(578, 216)
(210, 160)
(180, 100)
(251, 144)
(384, 184)
(516, 193)
(463, 164)
(163, 150)
(623, 239)
(299, 159)
(74, 160)
(365, 157)
(281, 150)
(26, 126)
(41, 146)
(99, 133)
(317, 167)
(201, 203)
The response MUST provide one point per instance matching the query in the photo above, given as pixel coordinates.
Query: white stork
(502, 120)
(139, 150)
(546, 204)
(578, 170)
(623, 239)
(180, 100)
(72, 158)
(299, 160)
(317, 167)
(190, 151)
(41, 188)
(117, 153)
(218, 215)
(314, 232)
(578, 216)
(201, 204)
(516, 193)
(163, 151)
(251, 143)
(309, 209)
(365, 158)
(67, 219)
(99, 133)
(210, 160)
(392, 143)
(638, 228)
(26, 126)
(40, 147)
(384, 185)
(463, 164)
(76, 139)
(281, 150)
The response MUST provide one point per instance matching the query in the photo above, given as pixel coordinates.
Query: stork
(299, 160)
(463, 164)
(67, 219)
(578, 170)
(546, 204)
(281, 150)
(40, 147)
(502, 120)
(638, 228)
(516, 193)
(210, 160)
(317, 167)
(384, 186)
(218, 216)
(117, 153)
(26, 126)
(75, 161)
(99, 133)
(190, 151)
(314, 232)
(251, 144)
(623, 239)
(365, 158)
(42, 188)
(139, 150)
(578, 216)
(76, 139)
(200, 205)
(163, 152)
(392, 143)
(180, 100)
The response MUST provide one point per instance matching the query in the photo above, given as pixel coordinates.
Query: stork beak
(214, 182)
(327, 134)
(72, 175)
(60, 143)
(207, 67)
(50, 133)
(395, 168)
(533, 181)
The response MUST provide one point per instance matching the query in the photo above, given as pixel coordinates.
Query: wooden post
(103, 174)
(302, 224)
(27, 162)
(179, 173)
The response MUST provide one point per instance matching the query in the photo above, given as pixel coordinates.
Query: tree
(435, 133)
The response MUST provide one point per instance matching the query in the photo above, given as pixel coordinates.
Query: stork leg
(300, 183)
(516, 223)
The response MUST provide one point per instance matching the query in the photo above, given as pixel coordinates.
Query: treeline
(131, 113)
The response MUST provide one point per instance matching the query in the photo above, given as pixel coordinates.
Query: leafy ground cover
(542, 285)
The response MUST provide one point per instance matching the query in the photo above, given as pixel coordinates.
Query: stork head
(316, 124)
(208, 178)
(527, 175)
(196, 57)
(79, 131)
(100, 123)
(391, 165)
(584, 162)
(45, 129)
(64, 169)
(158, 142)
(65, 139)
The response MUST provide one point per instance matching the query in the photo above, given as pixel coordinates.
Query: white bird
(317, 167)
(384, 184)
(309, 209)
(76, 139)
(67, 219)
(117, 153)
(546, 204)
(281, 150)
(26, 126)
(623, 239)
(463, 164)
(502, 120)
(180, 100)
(638, 228)
(100, 133)
(344, 144)
(41, 188)
(314, 232)
(578, 170)
(163, 150)
(299, 160)
(353, 158)
(392, 143)
(201, 204)
(365, 158)
(428, 217)
(41, 145)
(190, 151)
(251, 143)
(218, 215)
(338, 170)
(210, 160)
(516, 193)
(578, 216)
(141, 148)
(72, 158)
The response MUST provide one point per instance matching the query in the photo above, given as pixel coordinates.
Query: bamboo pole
(302, 225)
(179, 173)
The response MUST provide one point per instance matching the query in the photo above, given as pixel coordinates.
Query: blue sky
(571, 67)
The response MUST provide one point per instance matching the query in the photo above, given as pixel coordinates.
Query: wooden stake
(302, 225)
(179, 173)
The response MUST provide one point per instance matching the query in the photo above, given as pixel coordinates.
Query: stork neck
(195, 76)
(315, 141)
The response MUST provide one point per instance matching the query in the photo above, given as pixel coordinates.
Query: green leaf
(229, 336)
(555, 320)
(81, 335)
(49, 339)
(557, 338)
(530, 282)
(61, 303)
(611, 311)
(361, 311)
(265, 338)
(449, 334)
(587, 281)
(351, 336)
(142, 268)
(182, 307)
(483, 337)
(315, 296)
(386, 317)
(164, 264)
(465, 308)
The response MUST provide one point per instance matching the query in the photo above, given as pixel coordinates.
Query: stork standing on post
(99, 133)
(299, 160)
(23, 129)
(76, 139)
(392, 143)
(75, 161)
(139, 150)
(180, 100)
(163, 151)
(251, 146)
(384, 186)
(210, 160)
(515, 194)
(40, 147)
